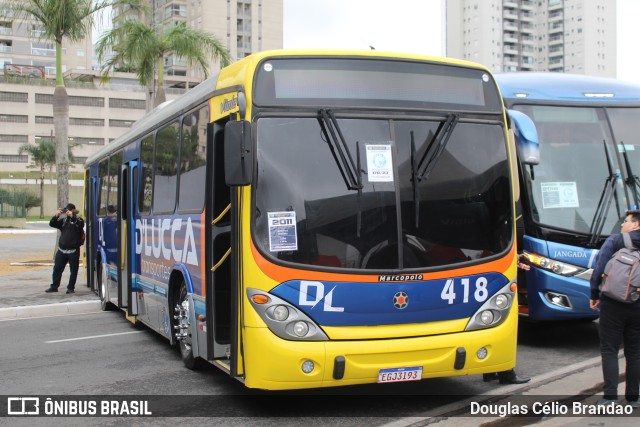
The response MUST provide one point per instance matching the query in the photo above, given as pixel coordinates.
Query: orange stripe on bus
(281, 274)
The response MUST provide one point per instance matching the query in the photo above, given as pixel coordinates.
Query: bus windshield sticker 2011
(283, 235)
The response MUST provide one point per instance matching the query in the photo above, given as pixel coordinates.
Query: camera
(63, 210)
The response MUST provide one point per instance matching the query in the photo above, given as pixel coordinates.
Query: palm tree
(61, 20)
(141, 47)
(42, 154)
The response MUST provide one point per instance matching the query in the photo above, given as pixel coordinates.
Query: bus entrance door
(219, 306)
(128, 172)
(90, 243)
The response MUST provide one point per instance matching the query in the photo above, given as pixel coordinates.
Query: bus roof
(541, 86)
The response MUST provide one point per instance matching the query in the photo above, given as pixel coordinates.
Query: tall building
(571, 36)
(21, 45)
(99, 113)
(243, 26)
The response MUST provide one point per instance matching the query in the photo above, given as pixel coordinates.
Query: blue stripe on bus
(150, 287)
(368, 304)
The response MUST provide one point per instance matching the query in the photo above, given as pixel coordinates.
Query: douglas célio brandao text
(548, 408)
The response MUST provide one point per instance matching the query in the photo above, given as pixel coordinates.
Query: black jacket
(70, 230)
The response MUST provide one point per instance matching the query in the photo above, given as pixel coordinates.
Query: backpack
(622, 275)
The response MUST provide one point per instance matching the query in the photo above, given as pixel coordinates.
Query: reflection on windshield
(306, 214)
(626, 128)
(573, 169)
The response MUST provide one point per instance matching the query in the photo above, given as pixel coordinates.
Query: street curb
(57, 309)
(31, 264)
(24, 231)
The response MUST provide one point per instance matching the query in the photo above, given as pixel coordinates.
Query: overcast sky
(413, 26)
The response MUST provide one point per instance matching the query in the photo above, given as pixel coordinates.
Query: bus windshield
(307, 213)
(565, 187)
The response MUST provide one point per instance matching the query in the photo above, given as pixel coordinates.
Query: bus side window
(165, 169)
(193, 160)
(221, 192)
(103, 171)
(146, 187)
(114, 173)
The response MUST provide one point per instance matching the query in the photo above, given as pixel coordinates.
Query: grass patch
(36, 175)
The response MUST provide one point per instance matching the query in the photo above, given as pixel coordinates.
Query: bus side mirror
(526, 137)
(238, 153)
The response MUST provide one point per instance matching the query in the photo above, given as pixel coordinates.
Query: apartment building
(21, 44)
(244, 26)
(571, 36)
(99, 113)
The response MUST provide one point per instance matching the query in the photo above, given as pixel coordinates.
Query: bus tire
(105, 305)
(182, 328)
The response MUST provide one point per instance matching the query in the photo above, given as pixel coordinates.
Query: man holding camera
(71, 228)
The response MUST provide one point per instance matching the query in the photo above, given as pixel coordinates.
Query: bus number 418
(480, 294)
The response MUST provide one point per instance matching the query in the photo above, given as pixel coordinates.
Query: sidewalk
(23, 294)
(581, 383)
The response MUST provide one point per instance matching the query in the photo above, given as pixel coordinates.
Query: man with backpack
(619, 308)
(71, 238)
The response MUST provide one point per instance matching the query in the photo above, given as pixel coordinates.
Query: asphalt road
(102, 354)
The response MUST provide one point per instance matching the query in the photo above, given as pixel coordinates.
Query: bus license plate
(394, 375)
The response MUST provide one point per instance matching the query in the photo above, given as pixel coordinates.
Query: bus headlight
(283, 319)
(486, 317)
(494, 310)
(300, 328)
(552, 265)
(501, 301)
(280, 313)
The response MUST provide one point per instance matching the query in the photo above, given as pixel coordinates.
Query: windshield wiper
(436, 147)
(632, 180)
(339, 149)
(350, 172)
(600, 216)
(421, 170)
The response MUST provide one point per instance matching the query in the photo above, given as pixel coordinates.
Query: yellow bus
(311, 219)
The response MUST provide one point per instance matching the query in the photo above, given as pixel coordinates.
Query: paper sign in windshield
(625, 147)
(559, 195)
(379, 163)
(282, 231)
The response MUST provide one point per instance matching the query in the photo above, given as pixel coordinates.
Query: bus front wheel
(182, 327)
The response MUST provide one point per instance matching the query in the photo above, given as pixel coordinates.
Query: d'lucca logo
(228, 104)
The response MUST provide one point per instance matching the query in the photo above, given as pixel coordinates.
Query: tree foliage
(43, 155)
(61, 20)
(138, 46)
